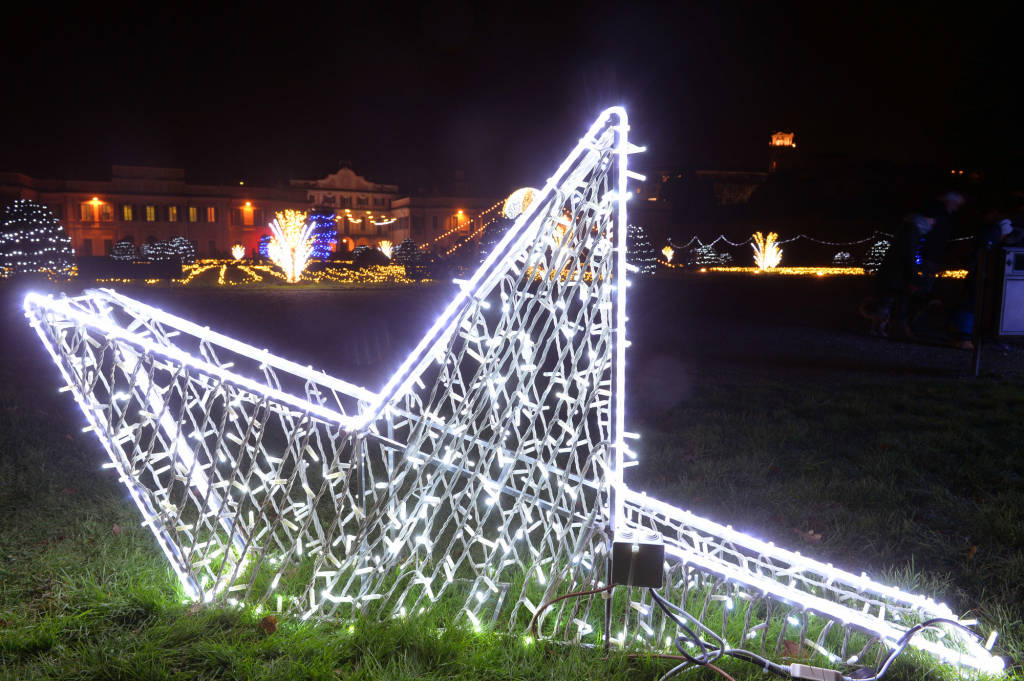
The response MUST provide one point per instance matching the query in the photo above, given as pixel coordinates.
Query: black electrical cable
(905, 641)
(671, 610)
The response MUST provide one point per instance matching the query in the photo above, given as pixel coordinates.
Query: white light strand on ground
(488, 472)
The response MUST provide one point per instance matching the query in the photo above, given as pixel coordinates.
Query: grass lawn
(918, 481)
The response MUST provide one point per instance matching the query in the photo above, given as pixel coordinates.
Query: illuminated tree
(325, 232)
(364, 256)
(159, 251)
(705, 254)
(841, 258)
(124, 250)
(261, 248)
(413, 258)
(183, 249)
(639, 251)
(291, 243)
(767, 254)
(33, 240)
(238, 251)
(386, 247)
(876, 255)
(492, 235)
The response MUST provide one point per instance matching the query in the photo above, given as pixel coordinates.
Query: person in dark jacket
(932, 254)
(899, 277)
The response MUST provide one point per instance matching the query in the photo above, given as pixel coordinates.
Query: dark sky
(500, 90)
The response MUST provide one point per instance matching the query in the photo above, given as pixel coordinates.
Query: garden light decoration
(767, 254)
(487, 472)
(385, 247)
(291, 243)
(668, 253)
(238, 251)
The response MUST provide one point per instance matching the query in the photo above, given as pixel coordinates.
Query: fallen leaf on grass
(809, 536)
(4, 624)
(974, 550)
(195, 608)
(117, 530)
(268, 625)
(794, 649)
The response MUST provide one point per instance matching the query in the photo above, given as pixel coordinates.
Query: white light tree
(32, 240)
(291, 243)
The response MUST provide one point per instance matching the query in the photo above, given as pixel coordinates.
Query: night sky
(498, 90)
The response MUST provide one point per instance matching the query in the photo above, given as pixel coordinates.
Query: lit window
(150, 213)
(172, 213)
(193, 214)
(211, 214)
(106, 212)
(88, 212)
(126, 212)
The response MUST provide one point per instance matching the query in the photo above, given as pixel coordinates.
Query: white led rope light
(487, 472)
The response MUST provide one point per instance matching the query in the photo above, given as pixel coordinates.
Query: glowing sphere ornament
(517, 202)
(238, 251)
(291, 243)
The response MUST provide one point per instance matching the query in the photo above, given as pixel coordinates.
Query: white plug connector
(803, 671)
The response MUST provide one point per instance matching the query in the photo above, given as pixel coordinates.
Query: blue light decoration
(325, 232)
(33, 240)
(263, 245)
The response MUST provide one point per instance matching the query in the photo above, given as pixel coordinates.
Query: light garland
(493, 456)
(291, 243)
(374, 274)
(469, 238)
(440, 237)
(798, 271)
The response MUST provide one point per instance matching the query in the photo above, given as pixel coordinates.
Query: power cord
(710, 653)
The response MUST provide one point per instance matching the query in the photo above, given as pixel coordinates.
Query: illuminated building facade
(361, 207)
(150, 203)
(147, 203)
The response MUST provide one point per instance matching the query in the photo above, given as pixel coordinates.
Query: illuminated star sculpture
(487, 473)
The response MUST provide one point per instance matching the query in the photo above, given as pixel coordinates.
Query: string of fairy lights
(721, 238)
(444, 235)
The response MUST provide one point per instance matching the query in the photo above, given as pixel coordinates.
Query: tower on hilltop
(783, 151)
